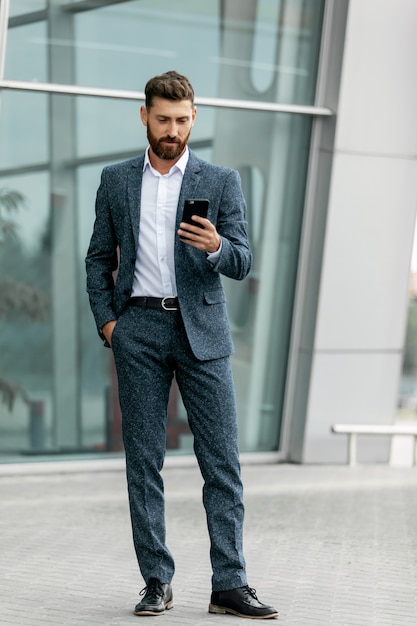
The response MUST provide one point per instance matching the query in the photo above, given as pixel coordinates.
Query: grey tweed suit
(194, 343)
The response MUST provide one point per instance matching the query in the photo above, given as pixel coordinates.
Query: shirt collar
(180, 165)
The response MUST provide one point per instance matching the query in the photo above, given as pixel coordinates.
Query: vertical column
(67, 414)
(4, 19)
(313, 232)
(363, 297)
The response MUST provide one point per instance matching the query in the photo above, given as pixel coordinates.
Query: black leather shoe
(157, 598)
(241, 602)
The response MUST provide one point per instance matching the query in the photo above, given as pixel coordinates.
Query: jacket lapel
(134, 183)
(189, 185)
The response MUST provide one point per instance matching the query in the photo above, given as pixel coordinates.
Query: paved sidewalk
(328, 546)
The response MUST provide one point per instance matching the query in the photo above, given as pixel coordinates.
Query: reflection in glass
(103, 129)
(271, 46)
(121, 46)
(272, 157)
(99, 408)
(265, 43)
(19, 7)
(26, 54)
(26, 421)
(52, 150)
(23, 129)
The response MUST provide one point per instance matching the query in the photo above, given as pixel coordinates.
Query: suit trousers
(149, 346)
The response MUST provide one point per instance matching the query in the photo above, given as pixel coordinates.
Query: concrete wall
(362, 305)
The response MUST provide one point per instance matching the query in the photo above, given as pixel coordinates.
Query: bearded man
(166, 315)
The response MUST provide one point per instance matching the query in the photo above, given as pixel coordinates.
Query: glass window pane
(26, 425)
(97, 380)
(121, 46)
(52, 150)
(26, 53)
(260, 307)
(23, 129)
(269, 47)
(106, 128)
(265, 44)
(19, 7)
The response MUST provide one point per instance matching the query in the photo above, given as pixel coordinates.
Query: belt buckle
(168, 308)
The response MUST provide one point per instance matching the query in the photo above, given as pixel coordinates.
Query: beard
(163, 151)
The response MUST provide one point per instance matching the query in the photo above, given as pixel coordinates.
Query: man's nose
(173, 129)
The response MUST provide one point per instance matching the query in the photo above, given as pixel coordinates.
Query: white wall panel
(362, 307)
(349, 388)
(367, 253)
(378, 99)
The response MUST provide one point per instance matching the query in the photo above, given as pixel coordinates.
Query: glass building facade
(72, 78)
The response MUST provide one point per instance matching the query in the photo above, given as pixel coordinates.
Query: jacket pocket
(214, 297)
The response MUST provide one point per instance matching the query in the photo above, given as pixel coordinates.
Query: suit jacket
(201, 295)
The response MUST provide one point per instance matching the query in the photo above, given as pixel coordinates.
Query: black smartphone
(194, 207)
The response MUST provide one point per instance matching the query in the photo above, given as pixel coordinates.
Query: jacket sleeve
(102, 259)
(235, 259)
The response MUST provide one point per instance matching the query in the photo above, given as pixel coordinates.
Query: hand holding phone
(195, 207)
(206, 238)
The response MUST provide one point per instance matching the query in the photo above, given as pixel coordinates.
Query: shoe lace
(252, 592)
(153, 587)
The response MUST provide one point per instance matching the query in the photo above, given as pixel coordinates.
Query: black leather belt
(161, 304)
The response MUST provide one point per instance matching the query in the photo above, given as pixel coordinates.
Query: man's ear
(144, 115)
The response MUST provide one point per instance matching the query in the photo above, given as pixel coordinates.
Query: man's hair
(171, 85)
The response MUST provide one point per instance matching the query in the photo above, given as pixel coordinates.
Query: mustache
(169, 140)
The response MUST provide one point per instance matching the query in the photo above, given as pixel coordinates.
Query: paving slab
(326, 545)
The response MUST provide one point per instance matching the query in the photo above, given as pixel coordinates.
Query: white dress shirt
(155, 269)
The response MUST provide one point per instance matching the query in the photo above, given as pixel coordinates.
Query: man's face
(168, 124)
